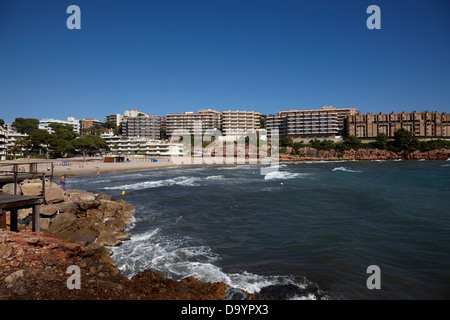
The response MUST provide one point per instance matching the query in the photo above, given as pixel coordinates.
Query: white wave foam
(345, 169)
(445, 165)
(181, 181)
(151, 250)
(282, 175)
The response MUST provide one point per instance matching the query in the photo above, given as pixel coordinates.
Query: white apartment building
(44, 124)
(186, 122)
(116, 118)
(142, 145)
(239, 122)
(3, 143)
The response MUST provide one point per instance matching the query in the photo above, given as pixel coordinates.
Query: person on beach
(97, 171)
(62, 182)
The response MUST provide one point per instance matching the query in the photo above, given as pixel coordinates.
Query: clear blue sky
(165, 56)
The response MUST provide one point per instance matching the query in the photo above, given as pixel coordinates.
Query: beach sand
(76, 166)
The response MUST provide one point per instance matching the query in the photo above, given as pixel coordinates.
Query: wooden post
(3, 219)
(13, 220)
(35, 218)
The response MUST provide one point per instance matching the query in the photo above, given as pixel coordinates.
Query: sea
(305, 230)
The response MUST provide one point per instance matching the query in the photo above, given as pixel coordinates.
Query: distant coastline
(75, 166)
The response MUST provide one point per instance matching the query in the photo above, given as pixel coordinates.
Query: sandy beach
(76, 166)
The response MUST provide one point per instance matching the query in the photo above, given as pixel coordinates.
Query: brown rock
(66, 206)
(84, 236)
(80, 195)
(47, 210)
(92, 204)
(115, 224)
(53, 193)
(44, 223)
(94, 213)
(108, 239)
(125, 216)
(9, 188)
(108, 205)
(104, 196)
(32, 189)
(62, 222)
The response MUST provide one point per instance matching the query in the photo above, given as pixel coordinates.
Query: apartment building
(420, 124)
(142, 145)
(327, 122)
(44, 124)
(3, 143)
(142, 125)
(186, 122)
(239, 122)
(87, 123)
(115, 118)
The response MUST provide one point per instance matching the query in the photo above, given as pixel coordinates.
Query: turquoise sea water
(322, 228)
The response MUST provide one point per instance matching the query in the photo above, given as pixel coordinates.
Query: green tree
(25, 125)
(404, 140)
(381, 141)
(352, 142)
(89, 145)
(40, 139)
(286, 141)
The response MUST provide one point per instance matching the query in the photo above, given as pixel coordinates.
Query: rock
(115, 224)
(80, 195)
(9, 188)
(125, 216)
(11, 280)
(282, 292)
(85, 205)
(94, 213)
(122, 236)
(66, 206)
(44, 224)
(84, 236)
(62, 222)
(125, 205)
(47, 210)
(24, 213)
(108, 239)
(32, 189)
(108, 205)
(104, 196)
(54, 193)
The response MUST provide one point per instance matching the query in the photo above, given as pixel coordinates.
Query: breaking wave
(180, 258)
(282, 175)
(345, 169)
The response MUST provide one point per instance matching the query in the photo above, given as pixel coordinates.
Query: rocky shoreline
(311, 154)
(77, 227)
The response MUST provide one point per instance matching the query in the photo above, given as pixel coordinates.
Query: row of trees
(403, 141)
(59, 143)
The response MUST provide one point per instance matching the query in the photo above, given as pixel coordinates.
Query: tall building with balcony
(3, 143)
(142, 125)
(142, 145)
(186, 122)
(239, 122)
(115, 118)
(420, 124)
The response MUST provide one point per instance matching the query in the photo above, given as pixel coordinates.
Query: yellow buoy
(214, 177)
(123, 192)
(281, 184)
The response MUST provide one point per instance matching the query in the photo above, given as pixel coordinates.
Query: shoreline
(76, 166)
